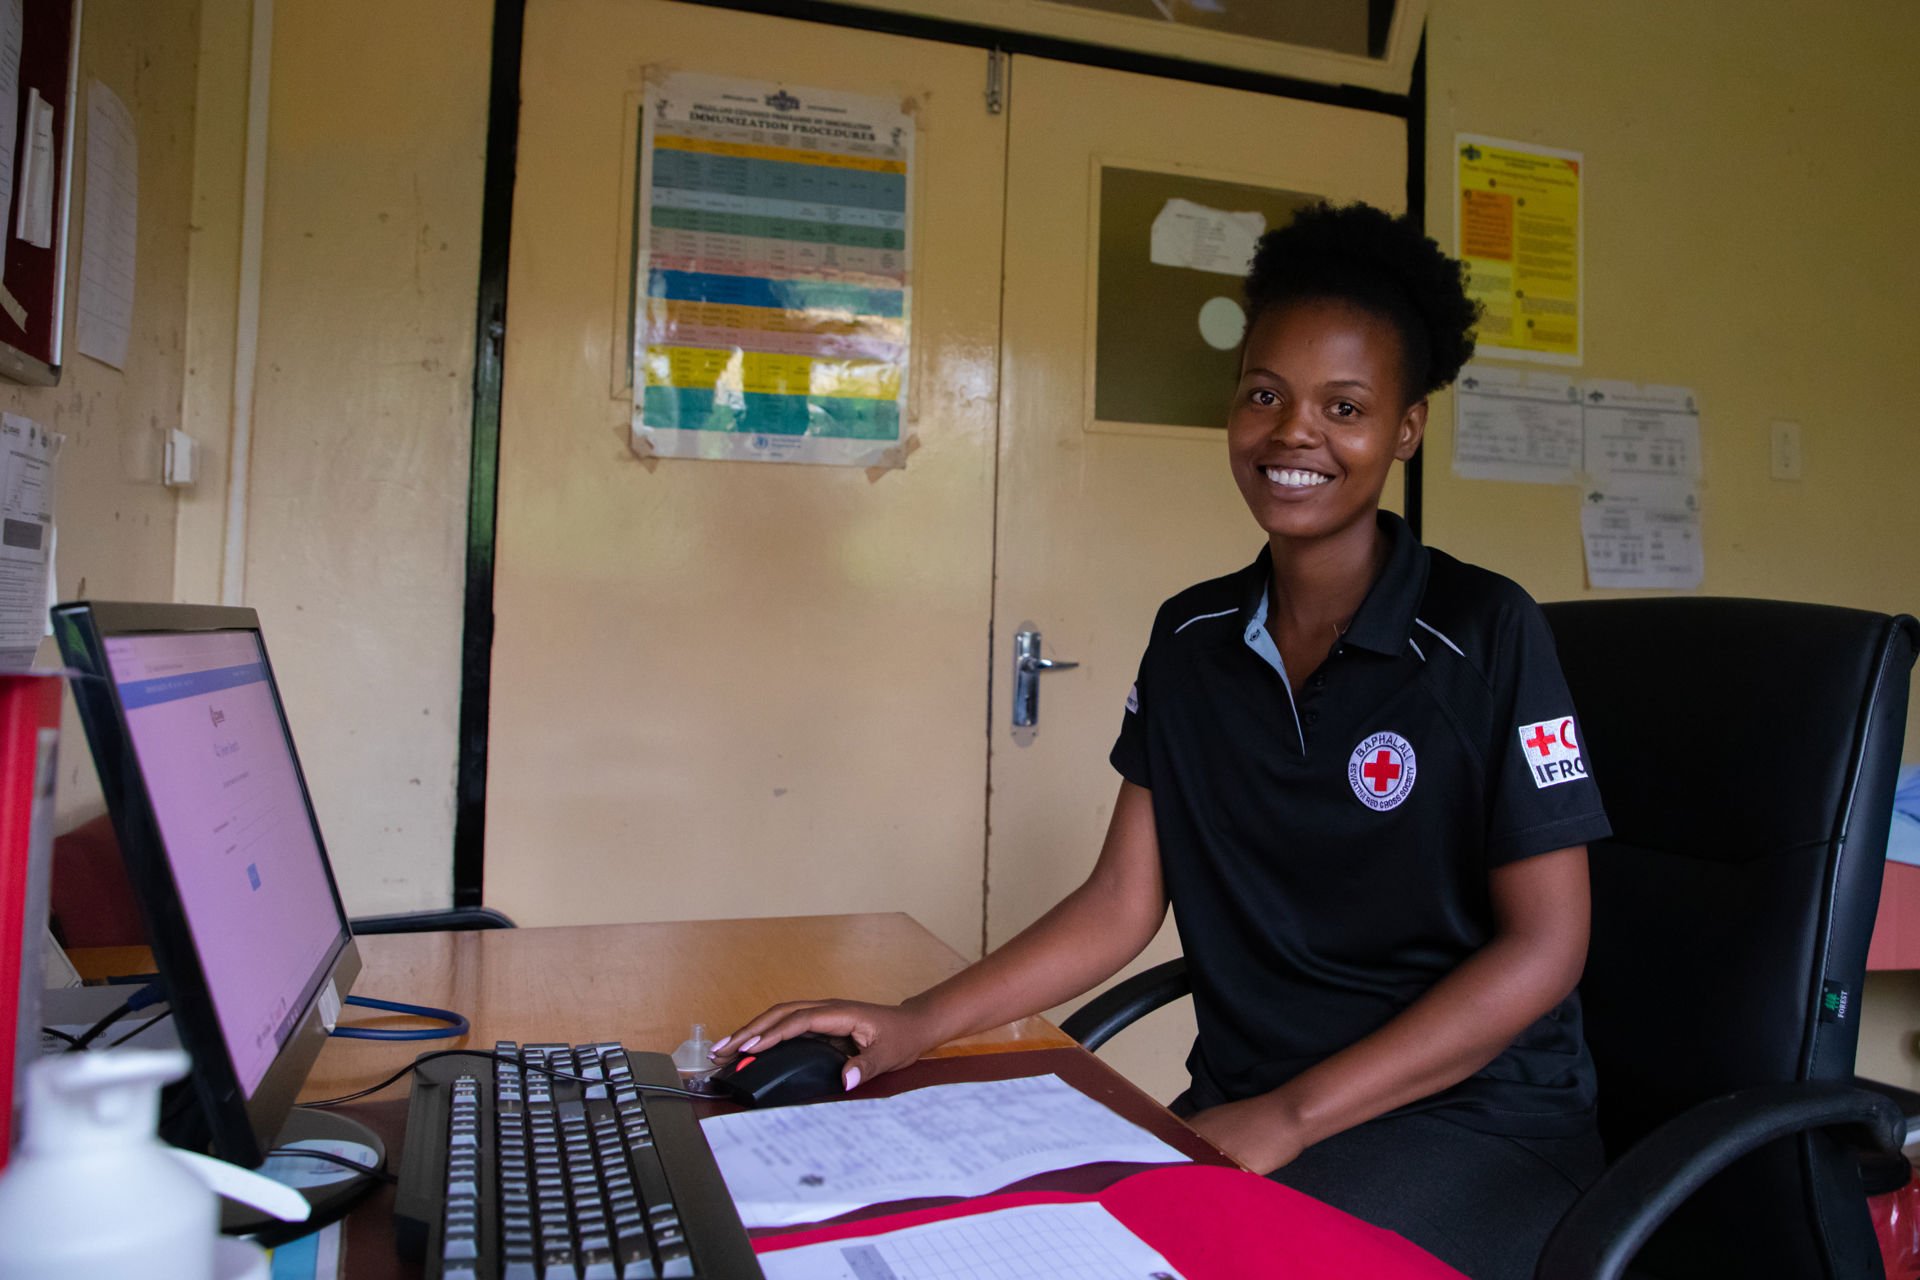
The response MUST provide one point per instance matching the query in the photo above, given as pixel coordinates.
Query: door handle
(1028, 666)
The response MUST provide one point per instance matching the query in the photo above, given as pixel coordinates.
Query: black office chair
(1746, 751)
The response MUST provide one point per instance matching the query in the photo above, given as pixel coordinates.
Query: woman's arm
(1533, 960)
(1084, 940)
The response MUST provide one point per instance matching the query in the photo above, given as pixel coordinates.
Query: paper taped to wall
(1646, 431)
(1643, 533)
(1513, 425)
(28, 453)
(1186, 234)
(110, 229)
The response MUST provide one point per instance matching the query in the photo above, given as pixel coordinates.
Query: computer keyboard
(510, 1174)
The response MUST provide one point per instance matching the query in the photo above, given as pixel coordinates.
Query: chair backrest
(1746, 751)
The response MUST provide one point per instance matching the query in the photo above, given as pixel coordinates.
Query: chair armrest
(1113, 1010)
(1606, 1227)
(432, 921)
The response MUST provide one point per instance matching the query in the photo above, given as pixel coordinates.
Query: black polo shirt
(1327, 855)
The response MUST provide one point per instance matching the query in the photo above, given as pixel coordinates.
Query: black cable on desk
(510, 1060)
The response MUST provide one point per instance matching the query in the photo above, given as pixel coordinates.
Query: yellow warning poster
(1518, 230)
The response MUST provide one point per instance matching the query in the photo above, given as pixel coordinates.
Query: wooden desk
(642, 984)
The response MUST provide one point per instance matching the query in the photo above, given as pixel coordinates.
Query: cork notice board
(1158, 363)
(33, 265)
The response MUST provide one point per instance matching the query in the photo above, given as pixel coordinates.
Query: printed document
(803, 1164)
(1031, 1242)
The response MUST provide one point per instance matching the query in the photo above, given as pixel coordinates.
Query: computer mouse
(797, 1070)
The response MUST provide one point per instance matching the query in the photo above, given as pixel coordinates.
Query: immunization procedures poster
(772, 273)
(1519, 232)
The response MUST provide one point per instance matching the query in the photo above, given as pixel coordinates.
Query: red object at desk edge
(29, 707)
(1210, 1223)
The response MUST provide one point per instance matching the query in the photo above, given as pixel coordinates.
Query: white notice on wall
(1191, 235)
(34, 218)
(1511, 425)
(1642, 533)
(110, 230)
(28, 453)
(1636, 431)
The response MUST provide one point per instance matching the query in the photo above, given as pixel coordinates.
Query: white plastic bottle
(92, 1193)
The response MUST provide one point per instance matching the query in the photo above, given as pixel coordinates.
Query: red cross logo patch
(1552, 752)
(1381, 770)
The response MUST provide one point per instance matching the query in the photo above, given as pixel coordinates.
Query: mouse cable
(314, 1153)
(510, 1060)
(156, 1018)
(456, 1023)
(151, 993)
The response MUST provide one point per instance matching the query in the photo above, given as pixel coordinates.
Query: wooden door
(1099, 523)
(737, 688)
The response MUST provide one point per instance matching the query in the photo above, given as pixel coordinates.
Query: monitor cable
(454, 1024)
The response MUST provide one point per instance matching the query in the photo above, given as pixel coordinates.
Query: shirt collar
(1384, 622)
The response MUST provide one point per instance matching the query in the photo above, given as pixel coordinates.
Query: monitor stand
(329, 1188)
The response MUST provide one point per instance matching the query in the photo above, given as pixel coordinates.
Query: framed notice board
(39, 74)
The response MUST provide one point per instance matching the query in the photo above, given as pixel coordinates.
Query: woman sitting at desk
(1352, 768)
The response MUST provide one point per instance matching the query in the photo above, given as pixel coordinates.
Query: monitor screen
(251, 876)
(221, 846)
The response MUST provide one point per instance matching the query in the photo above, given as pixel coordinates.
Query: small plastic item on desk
(93, 1193)
(694, 1058)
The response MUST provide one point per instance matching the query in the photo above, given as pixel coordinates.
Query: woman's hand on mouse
(886, 1035)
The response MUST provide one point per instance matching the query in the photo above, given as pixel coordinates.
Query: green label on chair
(1833, 1003)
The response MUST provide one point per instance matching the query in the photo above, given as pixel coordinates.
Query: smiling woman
(1327, 763)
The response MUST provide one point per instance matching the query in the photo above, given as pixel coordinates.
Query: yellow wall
(116, 521)
(358, 485)
(1750, 233)
(1749, 227)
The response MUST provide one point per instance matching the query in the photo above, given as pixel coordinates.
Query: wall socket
(1783, 453)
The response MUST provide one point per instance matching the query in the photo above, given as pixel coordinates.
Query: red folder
(29, 732)
(1210, 1223)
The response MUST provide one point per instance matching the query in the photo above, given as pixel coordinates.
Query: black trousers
(1482, 1203)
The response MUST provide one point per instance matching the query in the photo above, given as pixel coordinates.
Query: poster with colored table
(773, 273)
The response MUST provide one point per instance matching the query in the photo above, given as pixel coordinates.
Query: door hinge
(996, 82)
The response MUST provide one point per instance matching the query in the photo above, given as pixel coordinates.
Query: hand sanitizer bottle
(93, 1193)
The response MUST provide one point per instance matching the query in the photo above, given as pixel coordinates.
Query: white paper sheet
(1031, 1242)
(1651, 432)
(12, 13)
(1191, 235)
(111, 228)
(34, 213)
(802, 1164)
(1642, 533)
(27, 455)
(1513, 425)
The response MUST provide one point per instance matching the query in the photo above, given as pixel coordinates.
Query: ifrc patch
(1133, 697)
(1552, 752)
(1381, 770)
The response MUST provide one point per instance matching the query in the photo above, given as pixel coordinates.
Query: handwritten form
(802, 1164)
(1032, 1242)
(110, 229)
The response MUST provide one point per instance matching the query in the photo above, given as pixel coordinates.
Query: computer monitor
(221, 844)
